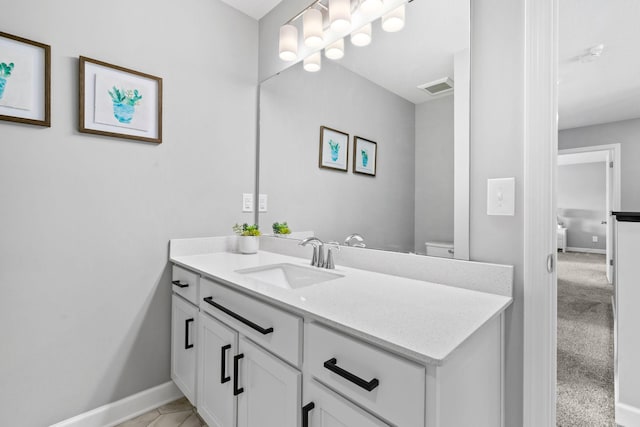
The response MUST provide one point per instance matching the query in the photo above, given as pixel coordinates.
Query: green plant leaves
(5, 69)
(246, 229)
(119, 96)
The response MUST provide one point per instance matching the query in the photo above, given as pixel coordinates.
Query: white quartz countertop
(421, 320)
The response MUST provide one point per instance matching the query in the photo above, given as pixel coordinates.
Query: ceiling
(420, 53)
(604, 90)
(254, 8)
(608, 88)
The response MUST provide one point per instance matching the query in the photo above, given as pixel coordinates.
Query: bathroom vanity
(267, 340)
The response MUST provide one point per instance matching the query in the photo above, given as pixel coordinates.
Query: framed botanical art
(119, 102)
(365, 156)
(334, 149)
(25, 81)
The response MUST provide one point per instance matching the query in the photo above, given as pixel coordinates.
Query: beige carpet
(585, 342)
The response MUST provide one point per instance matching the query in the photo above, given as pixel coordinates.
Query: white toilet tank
(440, 249)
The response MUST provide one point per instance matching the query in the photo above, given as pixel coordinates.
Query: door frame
(614, 190)
(539, 198)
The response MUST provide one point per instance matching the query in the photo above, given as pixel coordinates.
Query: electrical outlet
(247, 202)
(594, 239)
(262, 203)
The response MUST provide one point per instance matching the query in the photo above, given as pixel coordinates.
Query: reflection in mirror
(372, 93)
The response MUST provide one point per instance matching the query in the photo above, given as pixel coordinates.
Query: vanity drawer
(185, 283)
(388, 385)
(274, 329)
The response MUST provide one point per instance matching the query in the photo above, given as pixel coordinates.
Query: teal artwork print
(365, 158)
(5, 72)
(335, 150)
(124, 103)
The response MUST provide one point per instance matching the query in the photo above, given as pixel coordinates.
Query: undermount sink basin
(289, 276)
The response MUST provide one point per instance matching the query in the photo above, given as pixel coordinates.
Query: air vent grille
(438, 87)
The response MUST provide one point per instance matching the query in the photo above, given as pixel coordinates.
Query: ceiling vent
(438, 87)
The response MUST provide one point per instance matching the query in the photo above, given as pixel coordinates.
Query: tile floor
(179, 413)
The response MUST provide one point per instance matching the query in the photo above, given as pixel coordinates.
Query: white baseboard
(122, 410)
(587, 250)
(626, 415)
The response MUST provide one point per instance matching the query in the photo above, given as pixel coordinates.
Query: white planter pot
(248, 244)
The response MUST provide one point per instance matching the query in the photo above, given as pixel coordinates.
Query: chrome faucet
(330, 246)
(317, 260)
(358, 238)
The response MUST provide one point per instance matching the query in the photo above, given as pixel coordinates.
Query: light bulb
(371, 7)
(312, 62)
(312, 28)
(362, 36)
(288, 42)
(335, 50)
(340, 15)
(394, 20)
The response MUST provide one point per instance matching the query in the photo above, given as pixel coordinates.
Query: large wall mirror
(420, 190)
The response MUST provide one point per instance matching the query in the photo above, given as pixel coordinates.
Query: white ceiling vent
(438, 87)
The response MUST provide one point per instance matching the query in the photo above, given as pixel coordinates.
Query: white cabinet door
(184, 319)
(218, 345)
(269, 390)
(324, 408)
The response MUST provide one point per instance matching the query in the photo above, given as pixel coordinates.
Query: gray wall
(85, 220)
(582, 192)
(434, 172)
(293, 106)
(627, 133)
(497, 147)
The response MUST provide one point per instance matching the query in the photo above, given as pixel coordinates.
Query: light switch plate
(247, 202)
(501, 196)
(262, 203)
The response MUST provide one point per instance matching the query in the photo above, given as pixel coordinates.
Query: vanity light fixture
(340, 15)
(362, 36)
(342, 18)
(335, 50)
(394, 20)
(312, 28)
(312, 63)
(288, 42)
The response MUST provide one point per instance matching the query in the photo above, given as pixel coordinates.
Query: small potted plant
(247, 238)
(124, 103)
(281, 229)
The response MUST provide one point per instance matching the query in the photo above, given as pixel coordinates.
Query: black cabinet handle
(305, 413)
(187, 346)
(263, 331)
(180, 285)
(331, 365)
(236, 390)
(223, 364)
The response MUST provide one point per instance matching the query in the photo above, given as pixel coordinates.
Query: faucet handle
(330, 246)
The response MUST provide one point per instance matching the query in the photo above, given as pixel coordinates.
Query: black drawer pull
(305, 413)
(331, 365)
(236, 390)
(187, 346)
(263, 331)
(180, 285)
(223, 364)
